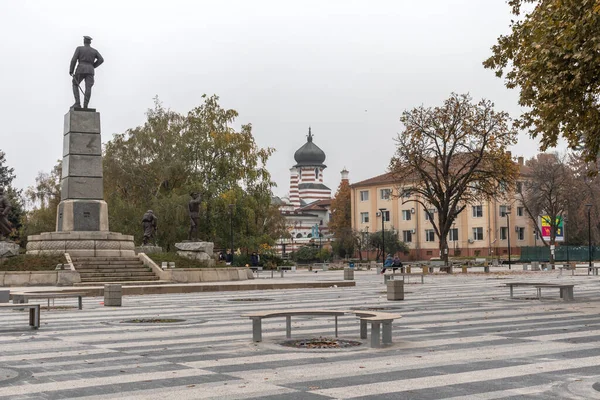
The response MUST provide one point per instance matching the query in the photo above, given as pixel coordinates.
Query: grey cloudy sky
(346, 68)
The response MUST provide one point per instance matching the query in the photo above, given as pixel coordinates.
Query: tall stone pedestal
(82, 207)
(82, 215)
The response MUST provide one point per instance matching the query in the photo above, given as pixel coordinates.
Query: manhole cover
(596, 386)
(321, 343)
(251, 299)
(152, 321)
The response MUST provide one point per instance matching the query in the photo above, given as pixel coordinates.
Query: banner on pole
(546, 228)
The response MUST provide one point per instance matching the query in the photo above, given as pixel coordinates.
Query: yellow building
(480, 229)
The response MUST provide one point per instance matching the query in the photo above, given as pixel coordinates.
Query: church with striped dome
(307, 208)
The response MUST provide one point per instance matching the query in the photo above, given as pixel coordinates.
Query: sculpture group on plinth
(194, 211)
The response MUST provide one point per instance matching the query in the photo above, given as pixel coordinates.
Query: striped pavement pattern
(460, 337)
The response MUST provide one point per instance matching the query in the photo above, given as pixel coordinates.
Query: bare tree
(450, 156)
(545, 192)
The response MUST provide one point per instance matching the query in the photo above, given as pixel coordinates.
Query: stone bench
(374, 318)
(259, 316)
(34, 312)
(405, 276)
(465, 268)
(593, 269)
(23, 297)
(566, 290)
(323, 266)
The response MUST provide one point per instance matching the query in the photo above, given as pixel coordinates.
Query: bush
(27, 262)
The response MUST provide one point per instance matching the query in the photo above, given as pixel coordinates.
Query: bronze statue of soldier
(194, 210)
(5, 225)
(87, 59)
(150, 225)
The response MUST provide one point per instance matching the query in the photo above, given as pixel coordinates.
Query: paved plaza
(460, 337)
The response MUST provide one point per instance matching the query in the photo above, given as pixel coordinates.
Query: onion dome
(309, 155)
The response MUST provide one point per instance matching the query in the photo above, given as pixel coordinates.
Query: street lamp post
(565, 236)
(367, 243)
(231, 227)
(507, 213)
(381, 210)
(589, 210)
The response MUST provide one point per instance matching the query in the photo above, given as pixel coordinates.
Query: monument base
(9, 249)
(82, 244)
(202, 251)
(148, 249)
(82, 216)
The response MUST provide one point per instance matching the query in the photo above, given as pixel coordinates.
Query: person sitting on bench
(396, 263)
(389, 261)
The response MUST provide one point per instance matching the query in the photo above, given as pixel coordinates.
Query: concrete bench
(566, 291)
(259, 316)
(465, 268)
(23, 297)
(34, 312)
(405, 276)
(593, 269)
(322, 266)
(539, 285)
(381, 323)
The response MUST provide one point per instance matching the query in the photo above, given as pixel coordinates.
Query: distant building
(480, 229)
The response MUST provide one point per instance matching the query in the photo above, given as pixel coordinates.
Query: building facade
(483, 229)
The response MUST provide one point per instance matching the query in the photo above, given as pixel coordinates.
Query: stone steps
(119, 275)
(109, 279)
(124, 283)
(106, 270)
(94, 270)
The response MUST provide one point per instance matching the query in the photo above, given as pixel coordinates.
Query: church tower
(306, 177)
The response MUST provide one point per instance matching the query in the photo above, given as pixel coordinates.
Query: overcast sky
(346, 68)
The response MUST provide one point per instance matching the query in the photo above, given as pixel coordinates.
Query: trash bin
(348, 274)
(113, 295)
(395, 290)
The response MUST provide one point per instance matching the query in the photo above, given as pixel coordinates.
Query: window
(406, 215)
(406, 193)
(521, 233)
(453, 235)
(407, 236)
(478, 233)
(429, 214)
(519, 187)
(504, 210)
(520, 211)
(316, 173)
(503, 232)
(364, 195)
(298, 236)
(386, 216)
(385, 194)
(477, 211)
(429, 235)
(364, 217)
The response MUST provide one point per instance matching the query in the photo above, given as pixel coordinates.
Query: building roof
(319, 205)
(383, 178)
(309, 155)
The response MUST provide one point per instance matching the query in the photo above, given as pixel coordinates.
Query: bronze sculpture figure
(150, 225)
(5, 225)
(194, 210)
(87, 59)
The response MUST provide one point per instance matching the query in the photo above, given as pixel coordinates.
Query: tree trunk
(444, 252)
